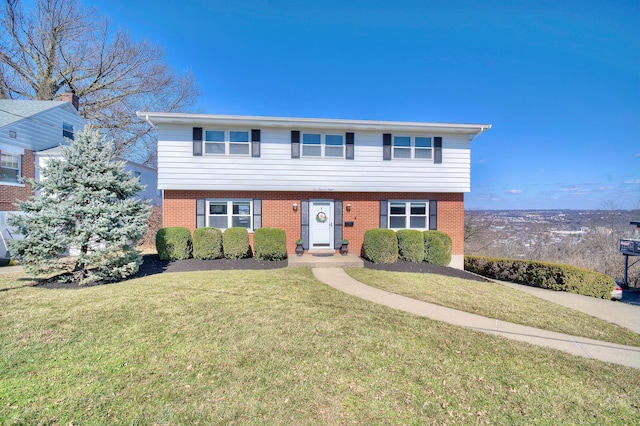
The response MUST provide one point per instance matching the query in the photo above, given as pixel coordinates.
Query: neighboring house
(320, 180)
(27, 127)
(30, 132)
(148, 175)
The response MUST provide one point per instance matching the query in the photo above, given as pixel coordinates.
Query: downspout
(482, 129)
(146, 118)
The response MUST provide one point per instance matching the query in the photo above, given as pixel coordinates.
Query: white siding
(148, 175)
(276, 170)
(41, 131)
(149, 178)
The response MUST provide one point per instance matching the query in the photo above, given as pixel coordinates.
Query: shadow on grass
(153, 265)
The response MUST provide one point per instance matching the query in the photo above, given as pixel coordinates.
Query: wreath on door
(321, 217)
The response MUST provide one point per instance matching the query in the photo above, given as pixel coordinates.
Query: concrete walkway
(608, 352)
(623, 314)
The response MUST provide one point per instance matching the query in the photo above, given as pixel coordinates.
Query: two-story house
(321, 180)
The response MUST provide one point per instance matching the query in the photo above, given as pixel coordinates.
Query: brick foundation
(179, 209)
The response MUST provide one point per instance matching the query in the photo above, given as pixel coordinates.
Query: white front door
(321, 224)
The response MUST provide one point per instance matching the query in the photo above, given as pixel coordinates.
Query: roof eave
(308, 123)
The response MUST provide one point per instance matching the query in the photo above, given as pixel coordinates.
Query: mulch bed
(424, 268)
(153, 265)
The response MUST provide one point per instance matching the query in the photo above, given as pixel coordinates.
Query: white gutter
(482, 129)
(154, 118)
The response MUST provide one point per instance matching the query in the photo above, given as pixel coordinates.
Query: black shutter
(384, 213)
(257, 214)
(197, 141)
(295, 144)
(437, 153)
(201, 212)
(304, 223)
(255, 143)
(350, 146)
(433, 215)
(386, 146)
(337, 224)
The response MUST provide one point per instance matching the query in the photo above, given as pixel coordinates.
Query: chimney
(70, 96)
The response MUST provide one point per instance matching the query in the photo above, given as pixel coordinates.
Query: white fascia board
(309, 123)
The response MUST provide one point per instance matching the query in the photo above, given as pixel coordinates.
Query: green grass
(496, 301)
(277, 347)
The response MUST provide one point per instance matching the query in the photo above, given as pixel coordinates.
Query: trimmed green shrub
(207, 243)
(174, 243)
(270, 244)
(552, 276)
(380, 245)
(235, 243)
(410, 245)
(437, 248)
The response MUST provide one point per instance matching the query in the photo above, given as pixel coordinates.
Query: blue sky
(558, 80)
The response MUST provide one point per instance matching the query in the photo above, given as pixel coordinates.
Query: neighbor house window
(322, 145)
(224, 142)
(223, 214)
(10, 167)
(408, 215)
(417, 147)
(67, 130)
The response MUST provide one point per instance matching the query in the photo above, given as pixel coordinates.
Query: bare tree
(52, 46)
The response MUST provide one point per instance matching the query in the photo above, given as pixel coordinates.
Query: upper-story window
(225, 142)
(10, 167)
(417, 147)
(67, 130)
(322, 145)
(408, 215)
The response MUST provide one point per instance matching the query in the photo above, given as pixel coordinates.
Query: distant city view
(585, 238)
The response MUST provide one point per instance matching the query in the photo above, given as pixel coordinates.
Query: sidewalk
(11, 269)
(625, 315)
(608, 352)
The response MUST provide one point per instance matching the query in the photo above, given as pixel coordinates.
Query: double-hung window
(223, 214)
(67, 130)
(416, 147)
(408, 215)
(322, 145)
(224, 142)
(10, 167)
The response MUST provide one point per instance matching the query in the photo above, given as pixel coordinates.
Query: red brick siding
(9, 194)
(277, 211)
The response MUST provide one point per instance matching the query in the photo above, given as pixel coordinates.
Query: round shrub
(174, 243)
(380, 245)
(270, 244)
(207, 243)
(235, 243)
(437, 248)
(410, 245)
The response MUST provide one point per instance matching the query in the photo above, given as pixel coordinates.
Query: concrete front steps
(325, 259)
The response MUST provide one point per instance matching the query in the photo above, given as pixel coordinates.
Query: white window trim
(407, 214)
(323, 144)
(229, 214)
(412, 148)
(227, 142)
(15, 154)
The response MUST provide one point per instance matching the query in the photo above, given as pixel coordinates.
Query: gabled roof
(12, 111)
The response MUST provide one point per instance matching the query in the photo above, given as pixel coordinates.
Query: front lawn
(277, 347)
(493, 300)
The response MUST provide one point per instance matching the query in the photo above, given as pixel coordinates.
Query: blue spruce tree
(82, 204)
